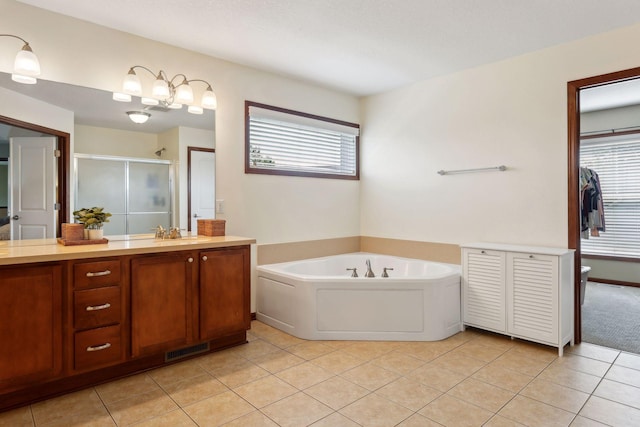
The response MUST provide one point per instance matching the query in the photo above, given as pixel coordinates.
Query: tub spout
(369, 272)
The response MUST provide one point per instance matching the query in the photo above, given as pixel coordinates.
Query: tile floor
(471, 379)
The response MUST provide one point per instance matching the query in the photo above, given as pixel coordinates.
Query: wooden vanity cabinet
(162, 289)
(31, 328)
(224, 292)
(72, 323)
(182, 298)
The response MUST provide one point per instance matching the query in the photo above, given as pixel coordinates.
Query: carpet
(611, 316)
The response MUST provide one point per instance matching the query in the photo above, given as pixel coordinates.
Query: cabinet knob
(190, 259)
(482, 252)
(204, 258)
(531, 256)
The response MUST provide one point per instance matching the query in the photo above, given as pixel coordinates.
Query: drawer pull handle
(99, 273)
(99, 347)
(98, 307)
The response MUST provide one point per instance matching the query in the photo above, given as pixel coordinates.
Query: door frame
(63, 164)
(189, 150)
(573, 158)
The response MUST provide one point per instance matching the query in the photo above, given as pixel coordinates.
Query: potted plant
(92, 219)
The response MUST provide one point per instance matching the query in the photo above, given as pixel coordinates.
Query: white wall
(17, 106)
(114, 142)
(512, 113)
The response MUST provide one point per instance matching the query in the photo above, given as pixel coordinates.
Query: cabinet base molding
(46, 390)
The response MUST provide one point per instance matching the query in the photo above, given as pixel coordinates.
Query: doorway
(574, 224)
(201, 182)
(61, 164)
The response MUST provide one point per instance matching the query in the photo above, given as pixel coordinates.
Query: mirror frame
(63, 164)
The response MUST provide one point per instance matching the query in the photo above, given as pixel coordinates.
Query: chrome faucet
(369, 272)
(384, 271)
(354, 272)
(160, 232)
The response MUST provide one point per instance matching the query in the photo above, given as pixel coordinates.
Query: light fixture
(121, 97)
(149, 101)
(138, 116)
(26, 66)
(170, 93)
(194, 109)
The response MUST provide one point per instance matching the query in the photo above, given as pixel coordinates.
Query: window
(285, 142)
(616, 160)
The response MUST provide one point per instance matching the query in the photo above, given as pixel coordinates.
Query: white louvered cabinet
(521, 291)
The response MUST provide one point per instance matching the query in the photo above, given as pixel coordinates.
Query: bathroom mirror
(103, 128)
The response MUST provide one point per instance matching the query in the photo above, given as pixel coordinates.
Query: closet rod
(500, 168)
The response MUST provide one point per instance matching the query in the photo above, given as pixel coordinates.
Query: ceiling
(361, 47)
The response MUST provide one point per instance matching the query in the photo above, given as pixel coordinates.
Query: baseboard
(614, 282)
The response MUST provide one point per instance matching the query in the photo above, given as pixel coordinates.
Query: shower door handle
(15, 217)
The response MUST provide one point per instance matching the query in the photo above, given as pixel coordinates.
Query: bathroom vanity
(74, 316)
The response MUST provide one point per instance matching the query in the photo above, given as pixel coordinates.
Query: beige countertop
(43, 250)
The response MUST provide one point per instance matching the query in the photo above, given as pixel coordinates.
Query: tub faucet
(354, 272)
(384, 271)
(369, 272)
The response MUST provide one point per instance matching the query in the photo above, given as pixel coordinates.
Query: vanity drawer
(97, 347)
(96, 273)
(96, 307)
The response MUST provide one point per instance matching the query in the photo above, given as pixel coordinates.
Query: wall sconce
(26, 66)
(171, 93)
(138, 116)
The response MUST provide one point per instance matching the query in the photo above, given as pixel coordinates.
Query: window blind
(287, 143)
(616, 160)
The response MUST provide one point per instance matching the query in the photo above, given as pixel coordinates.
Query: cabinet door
(484, 289)
(161, 294)
(532, 296)
(31, 326)
(224, 292)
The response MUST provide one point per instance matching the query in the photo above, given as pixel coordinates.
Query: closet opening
(604, 207)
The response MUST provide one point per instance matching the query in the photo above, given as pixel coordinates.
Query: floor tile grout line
(95, 390)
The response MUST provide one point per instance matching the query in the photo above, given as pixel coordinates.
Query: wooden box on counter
(211, 227)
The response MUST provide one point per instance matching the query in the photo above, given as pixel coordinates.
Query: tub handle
(384, 271)
(354, 270)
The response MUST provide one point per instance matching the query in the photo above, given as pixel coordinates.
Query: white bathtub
(316, 299)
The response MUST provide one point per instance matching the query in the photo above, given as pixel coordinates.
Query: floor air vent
(184, 352)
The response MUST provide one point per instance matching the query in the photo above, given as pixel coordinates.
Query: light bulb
(160, 89)
(26, 63)
(184, 94)
(24, 79)
(121, 97)
(131, 84)
(209, 100)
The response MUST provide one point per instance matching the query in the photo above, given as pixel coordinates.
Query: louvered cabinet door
(484, 289)
(532, 296)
